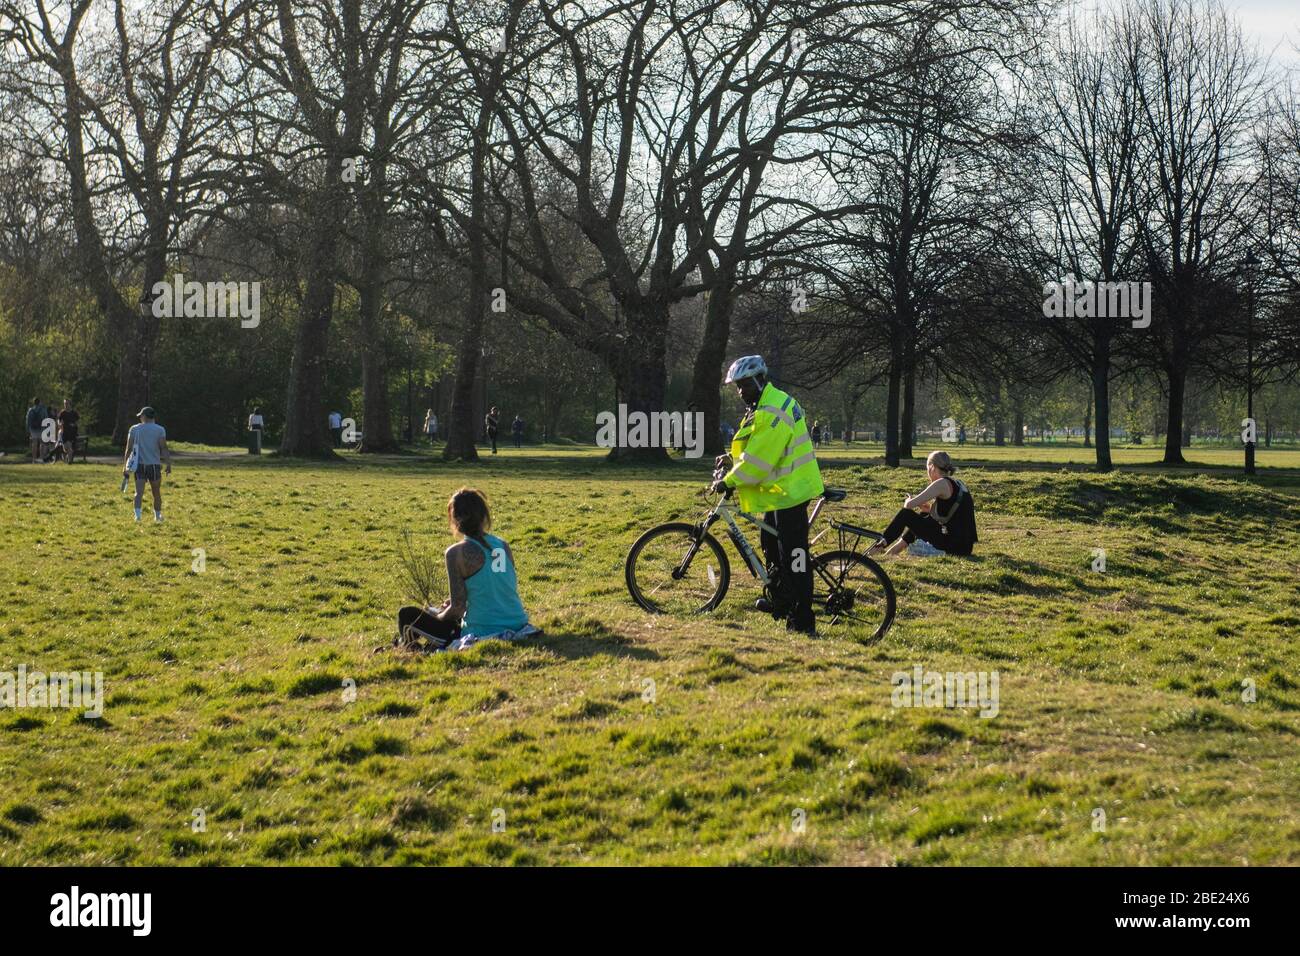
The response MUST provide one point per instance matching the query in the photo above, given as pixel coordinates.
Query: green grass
(622, 738)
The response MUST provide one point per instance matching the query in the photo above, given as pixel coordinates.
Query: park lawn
(1037, 455)
(622, 738)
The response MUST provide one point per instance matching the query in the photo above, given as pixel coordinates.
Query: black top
(958, 518)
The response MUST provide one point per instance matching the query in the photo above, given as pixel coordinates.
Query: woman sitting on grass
(945, 515)
(484, 588)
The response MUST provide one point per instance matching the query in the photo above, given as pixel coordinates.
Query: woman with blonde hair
(484, 586)
(943, 514)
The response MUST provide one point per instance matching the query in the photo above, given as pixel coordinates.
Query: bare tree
(119, 108)
(1086, 171)
(1199, 91)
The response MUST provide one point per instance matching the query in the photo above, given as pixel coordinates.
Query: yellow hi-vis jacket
(774, 463)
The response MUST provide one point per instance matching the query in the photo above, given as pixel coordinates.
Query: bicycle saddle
(835, 494)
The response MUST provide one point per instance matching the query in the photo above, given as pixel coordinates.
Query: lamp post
(485, 353)
(1252, 262)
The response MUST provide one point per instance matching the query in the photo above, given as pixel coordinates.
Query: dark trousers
(913, 524)
(787, 551)
(337, 434)
(492, 437)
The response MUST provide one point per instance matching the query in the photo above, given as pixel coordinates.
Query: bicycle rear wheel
(853, 591)
(669, 572)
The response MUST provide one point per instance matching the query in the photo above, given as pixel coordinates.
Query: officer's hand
(720, 487)
(721, 460)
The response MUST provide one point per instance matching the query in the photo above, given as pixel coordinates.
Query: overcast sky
(1271, 22)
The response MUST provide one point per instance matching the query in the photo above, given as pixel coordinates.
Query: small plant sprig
(423, 574)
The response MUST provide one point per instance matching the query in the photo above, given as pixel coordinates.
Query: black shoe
(808, 630)
(767, 607)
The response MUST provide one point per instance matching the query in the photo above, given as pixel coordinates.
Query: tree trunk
(377, 428)
(999, 432)
(139, 341)
(306, 429)
(707, 373)
(1177, 375)
(1087, 422)
(907, 426)
(645, 372)
(1018, 424)
(892, 387)
(1101, 401)
(135, 334)
(464, 423)
(461, 433)
(850, 412)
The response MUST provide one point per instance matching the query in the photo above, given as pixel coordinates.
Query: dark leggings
(444, 631)
(912, 525)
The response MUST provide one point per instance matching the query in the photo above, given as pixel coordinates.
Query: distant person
(490, 426)
(817, 434)
(35, 425)
(146, 446)
(517, 430)
(68, 430)
(431, 425)
(336, 429)
(961, 435)
(255, 424)
(944, 515)
(484, 585)
(847, 436)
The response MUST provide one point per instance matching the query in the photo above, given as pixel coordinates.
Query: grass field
(621, 738)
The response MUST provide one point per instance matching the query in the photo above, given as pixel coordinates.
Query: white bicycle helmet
(747, 366)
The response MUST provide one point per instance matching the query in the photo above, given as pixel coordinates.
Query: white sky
(1275, 24)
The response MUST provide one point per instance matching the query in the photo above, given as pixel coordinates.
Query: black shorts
(148, 472)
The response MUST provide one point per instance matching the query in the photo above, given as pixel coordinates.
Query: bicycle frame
(727, 512)
(850, 536)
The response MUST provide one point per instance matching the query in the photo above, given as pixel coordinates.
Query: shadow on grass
(590, 638)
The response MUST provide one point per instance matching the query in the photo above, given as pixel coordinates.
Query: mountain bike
(680, 568)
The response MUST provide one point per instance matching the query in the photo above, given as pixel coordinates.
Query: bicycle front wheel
(672, 569)
(853, 591)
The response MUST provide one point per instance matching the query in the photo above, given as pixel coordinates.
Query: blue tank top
(493, 595)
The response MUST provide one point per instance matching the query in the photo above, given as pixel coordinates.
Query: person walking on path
(146, 443)
(35, 425)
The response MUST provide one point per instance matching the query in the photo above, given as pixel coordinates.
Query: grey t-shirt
(148, 438)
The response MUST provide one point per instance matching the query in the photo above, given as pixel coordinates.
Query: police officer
(774, 470)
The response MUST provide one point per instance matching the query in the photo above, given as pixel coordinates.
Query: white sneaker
(157, 519)
(137, 516)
